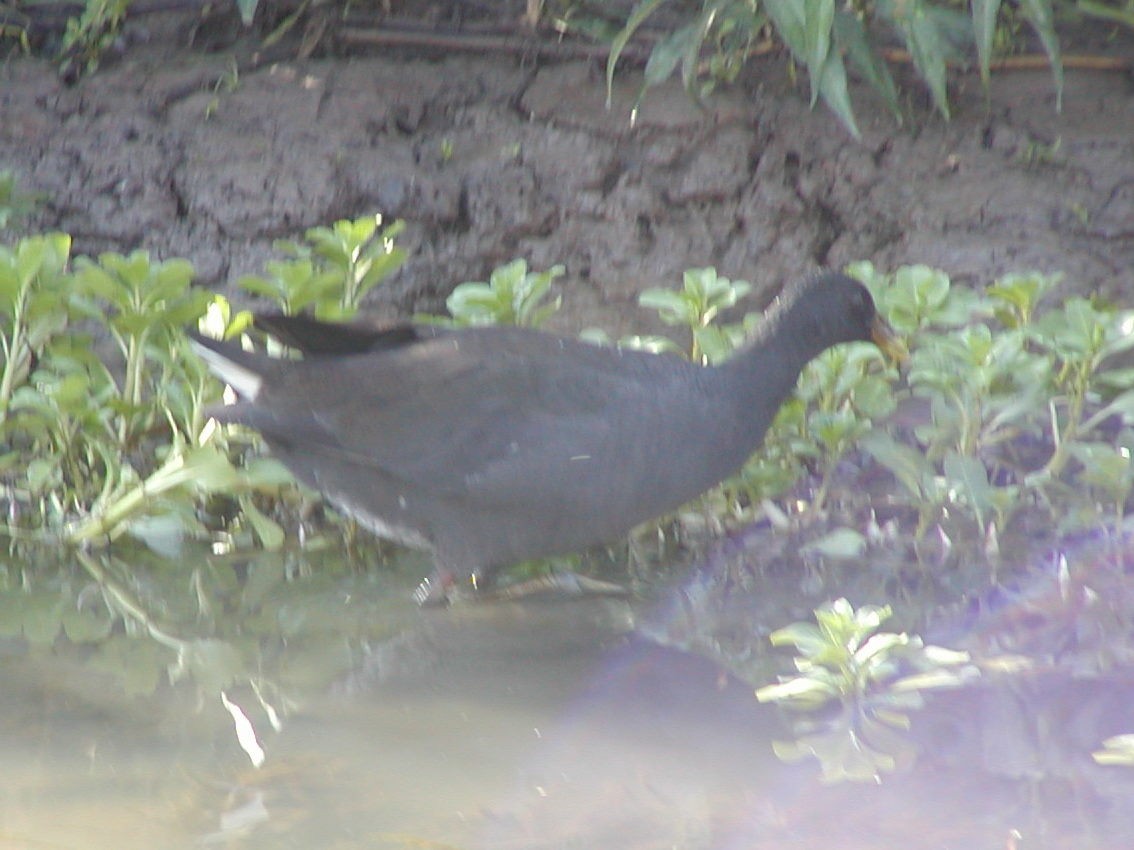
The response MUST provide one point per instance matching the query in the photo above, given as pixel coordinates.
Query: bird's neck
(760, 380)
(766, 369)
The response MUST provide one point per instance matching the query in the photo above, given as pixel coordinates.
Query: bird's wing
(488, 416)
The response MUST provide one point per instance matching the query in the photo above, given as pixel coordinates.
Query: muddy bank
(489, 158)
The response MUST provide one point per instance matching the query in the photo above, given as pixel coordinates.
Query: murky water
(539, 724)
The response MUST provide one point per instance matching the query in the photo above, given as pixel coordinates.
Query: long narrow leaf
(642, 11)
(833, 89)
(984, 27)
(925, 42)
(666, 54)
(819, 17)
(1040, 16)
(693, 50)
(805, 26)
(852, 38)
(788, 16)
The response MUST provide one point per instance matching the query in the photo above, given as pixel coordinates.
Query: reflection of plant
(1118, 750)
(875, 677)
(130, 618)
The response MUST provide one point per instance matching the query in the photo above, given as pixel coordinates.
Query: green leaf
(926, 41)
(853, 38)
(984, 14)
(818, 19)
(691, 60)
(637, 17)
(833, 88)
(162, 532)
(268, 531)
(1040, 15)
(798, 688)
(910, 466)
(805, 637)
(790, 18)
(806, 26)
(667, 53)
(968, 477)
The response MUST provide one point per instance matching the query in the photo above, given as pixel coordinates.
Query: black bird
(495, 445)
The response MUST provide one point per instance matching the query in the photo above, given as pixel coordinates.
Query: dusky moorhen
(495, 445)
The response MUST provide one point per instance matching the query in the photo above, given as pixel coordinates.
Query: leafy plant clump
(1026, 405)
(99, 444)
(330, 273)
(1014, 404)
(512, 295)
(712, 42)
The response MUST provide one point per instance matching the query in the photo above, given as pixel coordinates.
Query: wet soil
(492, 157)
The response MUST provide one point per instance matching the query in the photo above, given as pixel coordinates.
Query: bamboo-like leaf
(1040, 16)
(666, 54)
(691, 59)
(985, 13)
(969, 478)
(852, 38)
(789, 17)
(818, 20)
(833, 89)
(925, 44)
(642, 11)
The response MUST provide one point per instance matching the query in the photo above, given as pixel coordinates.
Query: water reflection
(549, 724)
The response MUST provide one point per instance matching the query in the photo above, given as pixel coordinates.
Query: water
(538, 724)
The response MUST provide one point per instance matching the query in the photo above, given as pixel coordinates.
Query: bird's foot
(442, 588)
(435, 590)
(556, 585)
